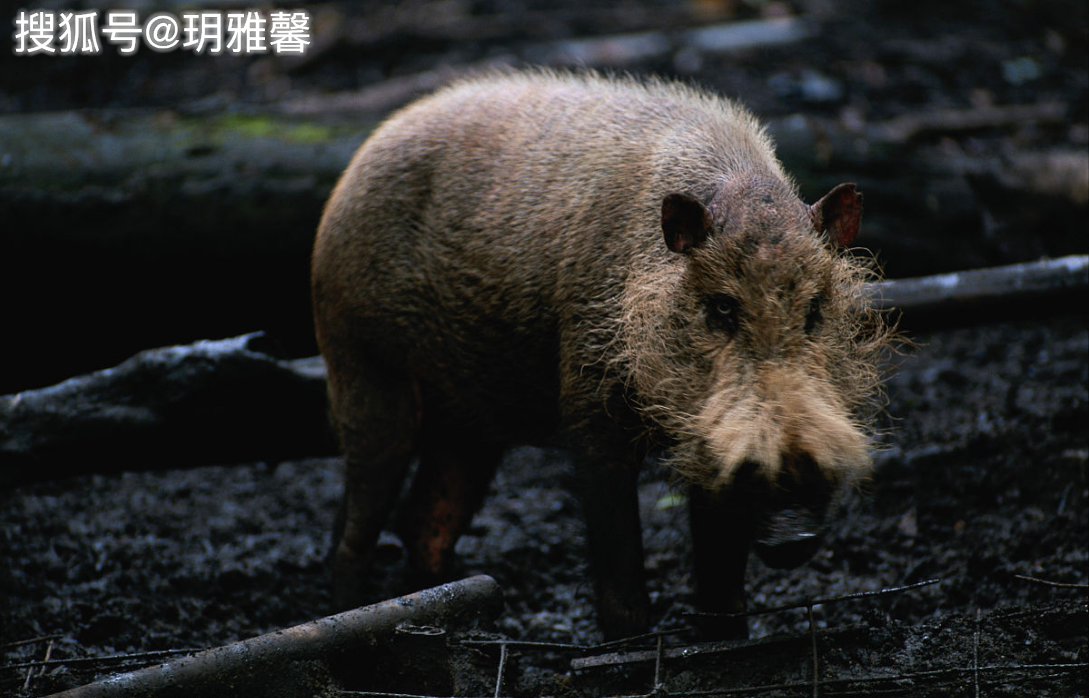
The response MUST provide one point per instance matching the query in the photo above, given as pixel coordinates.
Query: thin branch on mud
(898, 684)
(502, 669)
(30, 672)
(1061, 585)
(816, 658)
(31, 641)
(617, 658)
(975, 650)
(887, 591)
(102, 661)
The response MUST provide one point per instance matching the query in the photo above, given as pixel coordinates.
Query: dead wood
(1060, 174)
(618, 50)
(381, 97)
(936, 121)
(1013, 292)
(125, 230)
(439, 22)
(611, 50)
(318, 651)
(228, 401)
(205, 403)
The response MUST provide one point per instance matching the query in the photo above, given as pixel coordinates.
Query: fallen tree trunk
(130, 229)
(306, 660)
(1016, 291)
(600, 51)
(226, 401)
(108, 213)
(212, 402)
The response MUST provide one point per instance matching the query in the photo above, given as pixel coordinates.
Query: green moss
(309, 133)
(263, 126)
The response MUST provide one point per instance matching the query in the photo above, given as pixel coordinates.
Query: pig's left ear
(686, 222)
(839, 213)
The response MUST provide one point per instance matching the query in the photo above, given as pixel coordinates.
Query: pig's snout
(788, 538)
(791, 510)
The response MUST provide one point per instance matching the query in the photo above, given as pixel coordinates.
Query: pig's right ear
(686, 222)
(838, 213)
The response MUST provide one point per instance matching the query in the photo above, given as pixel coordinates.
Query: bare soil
(983, 478)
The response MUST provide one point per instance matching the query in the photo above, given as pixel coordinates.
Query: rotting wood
(625, 49)
(245, 404)
(610, 50)
(250, 406)
(409, 22)
(250, 666)
(914, 124)
(380, 97)
(1051, 286)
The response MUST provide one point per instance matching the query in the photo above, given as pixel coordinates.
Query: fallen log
(308, 659)
(99, 203)
(124, 230)
(1016, 291)
(227, 401)
(210, 402)
(380, 97)
(610, 50)
(619, 50)
(939, 121)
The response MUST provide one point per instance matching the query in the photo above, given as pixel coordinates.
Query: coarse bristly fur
(499, 245)
(765, 393)
(771, 391)
(551, 184)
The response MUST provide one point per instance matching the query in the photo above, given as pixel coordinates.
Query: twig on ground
(252, 663)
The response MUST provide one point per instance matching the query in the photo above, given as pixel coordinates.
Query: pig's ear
(839, 213)
(686, 222)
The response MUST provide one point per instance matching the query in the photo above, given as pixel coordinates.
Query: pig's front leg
(721, 538)
(610, 503)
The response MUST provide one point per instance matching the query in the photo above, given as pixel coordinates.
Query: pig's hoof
(620, 619)
(787, 554)
(417, 579)
(349, 575)
(713, 628)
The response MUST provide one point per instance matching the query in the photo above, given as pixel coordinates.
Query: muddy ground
(982, 479)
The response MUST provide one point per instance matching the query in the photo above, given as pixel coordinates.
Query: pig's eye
(813, 314)
(722, 313)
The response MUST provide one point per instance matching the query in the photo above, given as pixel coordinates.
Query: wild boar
(623, 265)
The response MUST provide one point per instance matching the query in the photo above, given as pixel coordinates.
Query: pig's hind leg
(450, 485)
(376, 412)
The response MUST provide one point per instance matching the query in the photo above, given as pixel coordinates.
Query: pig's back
(475, 229)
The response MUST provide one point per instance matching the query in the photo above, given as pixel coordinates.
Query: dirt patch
(982, 482)
(983, 479)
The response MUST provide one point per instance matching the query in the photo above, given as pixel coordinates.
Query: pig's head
(753, 346)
